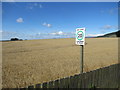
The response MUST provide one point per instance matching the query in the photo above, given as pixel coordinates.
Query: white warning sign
(80, 36)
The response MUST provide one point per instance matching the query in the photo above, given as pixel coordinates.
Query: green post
(81, 58)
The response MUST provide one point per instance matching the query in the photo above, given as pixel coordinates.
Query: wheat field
(36, 61)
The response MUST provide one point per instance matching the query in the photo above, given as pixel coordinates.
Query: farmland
(37, 61)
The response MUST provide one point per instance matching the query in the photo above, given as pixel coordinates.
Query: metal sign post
(80, 40)
(81, 58)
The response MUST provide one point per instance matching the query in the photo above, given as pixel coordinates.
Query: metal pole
(81, 58)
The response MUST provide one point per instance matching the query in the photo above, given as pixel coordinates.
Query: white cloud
(52, 33)
(107, 27)
(37, 5)
(34, 5)
(46, 24)
(93, 35)
(1, 31)
(39, 33)
(110, 11)
(58, 33)
(6, 35)
(19, 20)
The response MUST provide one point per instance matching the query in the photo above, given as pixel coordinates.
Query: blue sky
(41, 20)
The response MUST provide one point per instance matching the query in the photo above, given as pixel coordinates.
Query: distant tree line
(15, 39)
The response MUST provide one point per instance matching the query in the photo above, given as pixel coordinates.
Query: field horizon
(30, 62)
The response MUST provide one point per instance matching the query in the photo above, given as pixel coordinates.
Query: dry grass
(37, 61)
